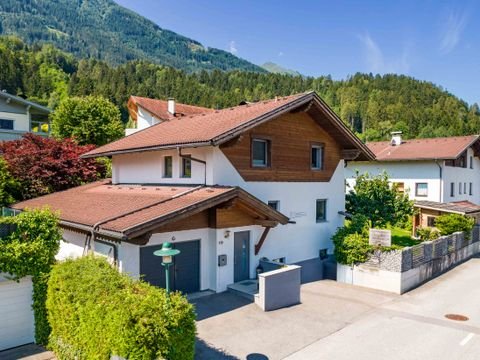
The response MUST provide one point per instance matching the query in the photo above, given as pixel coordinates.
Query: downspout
(440, 168)
(179, 150)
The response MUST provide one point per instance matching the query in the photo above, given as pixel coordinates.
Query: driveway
(338, 321)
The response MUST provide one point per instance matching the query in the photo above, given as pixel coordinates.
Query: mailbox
(222, 260)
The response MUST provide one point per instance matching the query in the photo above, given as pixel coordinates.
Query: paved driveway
(338, 321)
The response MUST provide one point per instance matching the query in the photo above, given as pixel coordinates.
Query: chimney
(171, 106)
(396, 138)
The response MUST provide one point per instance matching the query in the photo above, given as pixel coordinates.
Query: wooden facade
(290, 138)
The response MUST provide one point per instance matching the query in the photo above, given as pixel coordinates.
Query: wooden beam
(265, 223)
(258, 245)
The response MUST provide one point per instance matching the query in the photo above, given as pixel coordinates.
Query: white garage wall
(17, 326)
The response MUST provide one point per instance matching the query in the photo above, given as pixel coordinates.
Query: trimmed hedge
(30, 250)
(96, 312)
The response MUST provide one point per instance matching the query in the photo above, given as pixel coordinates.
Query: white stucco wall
(21, 122)
(148, 167)
(408, 172)
(465, 176)
(145, 119)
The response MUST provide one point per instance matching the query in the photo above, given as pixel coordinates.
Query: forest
(372, 105)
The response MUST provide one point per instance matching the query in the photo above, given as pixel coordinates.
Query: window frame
(12, 121)
(416, 189)
(324, 219)
(268, 144)
(470, 191)
(460, 188)
(452, 189)
(184, 160)
(432, 220)
(276, 202)
(465, 188)
(321, 159)
(165, 175)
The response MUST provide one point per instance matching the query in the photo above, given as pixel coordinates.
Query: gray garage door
(184, 273)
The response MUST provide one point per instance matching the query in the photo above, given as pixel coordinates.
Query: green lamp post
(167, 253)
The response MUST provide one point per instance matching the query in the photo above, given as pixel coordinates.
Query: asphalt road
(338, 322)
(413, 326)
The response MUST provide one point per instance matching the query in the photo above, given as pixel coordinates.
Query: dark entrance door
(184, 272)
(241, 256)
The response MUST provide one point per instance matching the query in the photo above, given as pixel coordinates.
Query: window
(421, 189)
(452, 189)
(464, 187)
(167, 167)
(470, 190)
(6, 124)
(186, 167)
(459, 188)
(317, 157)
(260, 153)
(431, 221)
(471, 162)
(274, 204)
(321, 214)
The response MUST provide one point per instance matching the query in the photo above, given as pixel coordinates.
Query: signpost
(380, 237)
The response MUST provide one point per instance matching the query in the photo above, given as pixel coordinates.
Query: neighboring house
(19, 116)
(226, 187)
(442, 175)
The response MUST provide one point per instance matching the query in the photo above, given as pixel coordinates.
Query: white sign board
(380, 237)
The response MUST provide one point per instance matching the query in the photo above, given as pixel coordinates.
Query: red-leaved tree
(45, 165)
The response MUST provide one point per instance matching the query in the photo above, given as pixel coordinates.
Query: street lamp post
(167, 253)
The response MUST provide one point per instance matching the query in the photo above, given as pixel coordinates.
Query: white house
(440, 174)
(19, 116)
(226, 187)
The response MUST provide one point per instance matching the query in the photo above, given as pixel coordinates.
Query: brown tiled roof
(423, 149)
(218, 126)
(124, 209)
(458, 207)
(159, 108)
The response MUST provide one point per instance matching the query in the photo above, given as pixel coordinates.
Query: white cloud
(452, 32)
(233, 47)
(376, 61)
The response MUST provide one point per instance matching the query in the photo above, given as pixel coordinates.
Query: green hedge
(30, 250)
(96, 312)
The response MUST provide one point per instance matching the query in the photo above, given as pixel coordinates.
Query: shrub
(426, 234)
(449, 223)
(44, 165)
(351, 241)
(30, 250)
(96, 312)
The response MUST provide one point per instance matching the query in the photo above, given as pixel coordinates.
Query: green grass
(402, 237)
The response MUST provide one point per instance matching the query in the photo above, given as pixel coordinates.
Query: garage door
(184, 273)
(16, 314)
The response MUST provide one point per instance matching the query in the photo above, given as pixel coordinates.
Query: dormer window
(260, 153)
(316, 159)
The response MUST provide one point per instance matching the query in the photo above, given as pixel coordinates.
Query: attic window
(316, 160)
(260, 152)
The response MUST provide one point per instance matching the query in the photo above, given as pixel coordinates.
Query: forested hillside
(104, 30)
(372, 105)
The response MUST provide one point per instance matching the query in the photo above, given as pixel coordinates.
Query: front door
(241, 256)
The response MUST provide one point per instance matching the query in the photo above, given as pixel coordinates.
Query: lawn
(402, 237)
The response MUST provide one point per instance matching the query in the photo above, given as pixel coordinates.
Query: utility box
(222, 260)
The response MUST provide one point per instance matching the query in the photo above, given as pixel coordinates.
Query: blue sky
(436, 41)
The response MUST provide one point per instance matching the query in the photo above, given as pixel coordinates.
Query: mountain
(105, 30)
(372, 105)
(277, 69)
